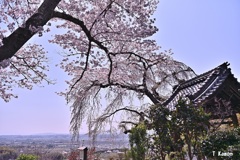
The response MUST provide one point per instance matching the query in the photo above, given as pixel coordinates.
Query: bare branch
(107, 115)
(129, 122)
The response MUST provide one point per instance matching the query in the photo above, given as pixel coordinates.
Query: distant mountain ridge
(64, 136)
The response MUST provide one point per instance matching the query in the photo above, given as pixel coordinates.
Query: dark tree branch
(174, 74)
(124, 127)
(129, 122)
(132, 88)
(18, 70)
(101, 46)
(89, 36)
(82, 25)
(84, 70)
(102, 13)
(21, 35)
(105, 116)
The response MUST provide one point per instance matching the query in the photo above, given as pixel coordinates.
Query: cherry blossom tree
(108, 52)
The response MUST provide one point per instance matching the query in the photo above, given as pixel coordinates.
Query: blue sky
(202, 34)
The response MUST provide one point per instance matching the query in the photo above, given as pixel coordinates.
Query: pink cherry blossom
(108, 52)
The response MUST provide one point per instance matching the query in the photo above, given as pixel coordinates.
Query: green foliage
(128, 155)
(186, 125)
(192, 123)
(138, 141)
(162, 140)
(27, 157)
(223, 141)
(7, 153)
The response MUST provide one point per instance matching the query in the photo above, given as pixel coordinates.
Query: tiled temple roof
(201, 87)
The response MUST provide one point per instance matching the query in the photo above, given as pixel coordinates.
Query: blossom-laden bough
(108, 52)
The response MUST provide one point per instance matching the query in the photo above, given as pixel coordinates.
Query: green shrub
(27, 157)
(223, 142)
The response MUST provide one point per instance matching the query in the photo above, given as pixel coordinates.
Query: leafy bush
(27, 157)
(178, 131)
(224, 142)
(138, 142)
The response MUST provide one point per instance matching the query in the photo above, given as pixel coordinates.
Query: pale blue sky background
(202, 33)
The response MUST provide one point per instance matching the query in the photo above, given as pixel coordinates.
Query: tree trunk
(189, 150)
(21, 35)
